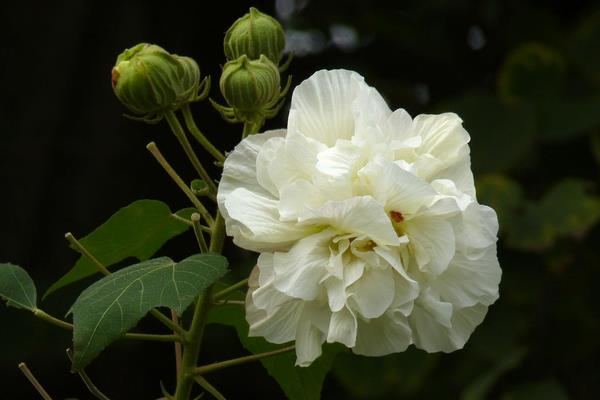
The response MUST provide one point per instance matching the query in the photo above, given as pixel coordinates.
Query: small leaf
(297, 383)
(138, 230)
(199, 187)
(110, 307)
(16, 287)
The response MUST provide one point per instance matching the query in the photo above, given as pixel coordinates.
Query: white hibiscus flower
(369, 230)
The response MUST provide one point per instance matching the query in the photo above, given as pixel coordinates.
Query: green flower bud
(147, 79)
(254, 34)
(251, 87)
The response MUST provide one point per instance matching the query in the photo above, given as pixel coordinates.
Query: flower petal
(299, 271)
(239, 169)
(342, 328)
(359, 215)
(253, 221)
(394, 187)
(432, 241)
(384, 335)
(322, 105)
(373, 293)
(309, 340)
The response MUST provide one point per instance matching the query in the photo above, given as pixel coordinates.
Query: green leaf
(199, 187)
(544, 390)
(533, 72)
(377, 377)
(138, 230)
(501, 135)
(110, 307)
(16, 287)
(566, 210)
(296, 382)
(567, 118)
(481, 386)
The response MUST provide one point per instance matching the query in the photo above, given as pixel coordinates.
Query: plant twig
(34, 382)
(198, 232)
(199, 136)
(209, 388)
(152, 148)
(87, 381)
(189, 151)
(230, 289)
(79, 247)
(241, 360)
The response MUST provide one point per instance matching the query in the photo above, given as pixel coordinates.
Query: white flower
(369, 230)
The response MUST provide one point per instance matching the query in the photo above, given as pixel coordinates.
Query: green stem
(232, 288)
(241, 360)
(168, 322)
(248, 128)
(199, 136)
(152, 148)
(34, 382)
(189, 151)
(198, 232)
(41, 314)
(209, 388)
(194, 335)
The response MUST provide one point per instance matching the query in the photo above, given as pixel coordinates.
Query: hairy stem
(189, 151)
(241, 360)
(199, 136)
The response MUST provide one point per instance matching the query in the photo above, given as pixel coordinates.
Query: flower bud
(250, 87)
(147, 79)
(254, 34)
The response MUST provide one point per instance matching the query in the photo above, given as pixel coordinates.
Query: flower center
(397, 222)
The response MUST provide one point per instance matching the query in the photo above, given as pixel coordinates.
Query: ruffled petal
(373, 293)
(381, 336)
(342, 328)
(358, 215)
(254, 222)
(322, 105)
(433, 243)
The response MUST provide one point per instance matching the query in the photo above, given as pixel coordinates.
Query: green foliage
(110, 307)
(502, 194)
(138, 230)
(296, 382)
(584, 47)
(380, 377)
(533, 72)
(16, 287)
(566, 210)
(496, 146)
(544, 390)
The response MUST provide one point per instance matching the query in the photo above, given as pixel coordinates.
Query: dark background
(524, 76)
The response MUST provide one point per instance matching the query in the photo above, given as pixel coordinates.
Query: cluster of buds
(149, 81)
(250, 81)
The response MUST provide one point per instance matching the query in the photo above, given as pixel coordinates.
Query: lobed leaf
(110, 307)
(16, 287)
(138, 230)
